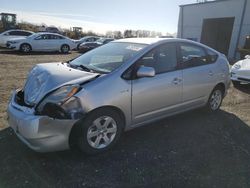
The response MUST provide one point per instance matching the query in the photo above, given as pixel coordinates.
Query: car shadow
(9, 52)
(245, 88)
(194, 149)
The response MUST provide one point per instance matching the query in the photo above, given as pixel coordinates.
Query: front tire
(215, 99)
(65, 48)
(25, 48)
(100, 131)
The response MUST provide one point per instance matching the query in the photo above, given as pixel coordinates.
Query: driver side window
(162, 59)
(42, 37)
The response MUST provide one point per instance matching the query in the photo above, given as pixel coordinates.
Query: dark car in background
(86, 46)
(53, 30)
(86, 39)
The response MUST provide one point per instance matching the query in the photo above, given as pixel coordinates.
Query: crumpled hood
(44, 78)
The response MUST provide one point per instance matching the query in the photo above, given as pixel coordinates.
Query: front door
(156, 96)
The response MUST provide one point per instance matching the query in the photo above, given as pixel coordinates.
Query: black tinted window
(55, 37)
(193, 55)
(17, 33)
(24, 33)
(20, 33)
(90, 40)
(163, 58)
(42, 37)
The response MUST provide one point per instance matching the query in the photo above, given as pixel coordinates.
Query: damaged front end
(50, 90)
(59, 104)
(43, 113)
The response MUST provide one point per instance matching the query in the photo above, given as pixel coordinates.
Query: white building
(222, 24)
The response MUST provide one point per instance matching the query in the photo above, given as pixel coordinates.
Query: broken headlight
(62, 104)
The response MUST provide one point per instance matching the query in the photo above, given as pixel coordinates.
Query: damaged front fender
(71, 109)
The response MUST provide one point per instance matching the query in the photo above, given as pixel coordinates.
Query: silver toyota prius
(89, 101)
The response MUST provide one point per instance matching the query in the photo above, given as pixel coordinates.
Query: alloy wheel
(215, 99)
(102, 132)
(65, 49)
(26, 48)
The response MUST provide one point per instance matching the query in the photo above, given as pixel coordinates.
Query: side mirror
(145, 72)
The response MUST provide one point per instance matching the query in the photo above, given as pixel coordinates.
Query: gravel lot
(194, 149)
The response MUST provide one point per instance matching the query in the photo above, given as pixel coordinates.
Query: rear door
(55, 42)
(199, 74)
(159, 95)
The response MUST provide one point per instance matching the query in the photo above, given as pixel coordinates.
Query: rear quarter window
(211, 56)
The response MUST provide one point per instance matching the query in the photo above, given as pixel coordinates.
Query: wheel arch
(222, 86)
(65, 44)
(25, 43)
(76, 127)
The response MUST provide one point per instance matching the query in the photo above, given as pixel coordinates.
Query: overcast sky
(99, 15)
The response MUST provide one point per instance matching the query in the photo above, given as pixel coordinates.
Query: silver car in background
(42, 42)
(127, 83)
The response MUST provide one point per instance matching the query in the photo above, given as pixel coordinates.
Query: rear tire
(215, 99)
(25, 48)
(100, 131)
(65, 48)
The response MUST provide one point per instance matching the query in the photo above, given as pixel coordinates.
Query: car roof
(155, 40)
(19, 30)
(150, 41)
(90, 37)
(141, 40)
(42, 33)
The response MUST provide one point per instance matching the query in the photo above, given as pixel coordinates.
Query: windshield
(101, 40)
(107, 58)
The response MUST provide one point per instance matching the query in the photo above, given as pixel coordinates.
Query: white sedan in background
(13, 34)
(240, 72)
(42, 42)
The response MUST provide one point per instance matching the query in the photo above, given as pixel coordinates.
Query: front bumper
(240, 78)
(40, 133)
(11, 46)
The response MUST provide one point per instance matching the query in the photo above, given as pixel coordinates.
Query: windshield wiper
(85, 68)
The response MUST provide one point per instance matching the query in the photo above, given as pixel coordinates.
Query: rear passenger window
(193, 55)
(54, 37)
(42, 37)
(163, 58)
(24, 33)
(14, 33)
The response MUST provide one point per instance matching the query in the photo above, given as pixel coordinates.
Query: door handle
(176, 81)
(210, 73)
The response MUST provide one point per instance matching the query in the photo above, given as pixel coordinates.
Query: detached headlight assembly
(61, 104)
